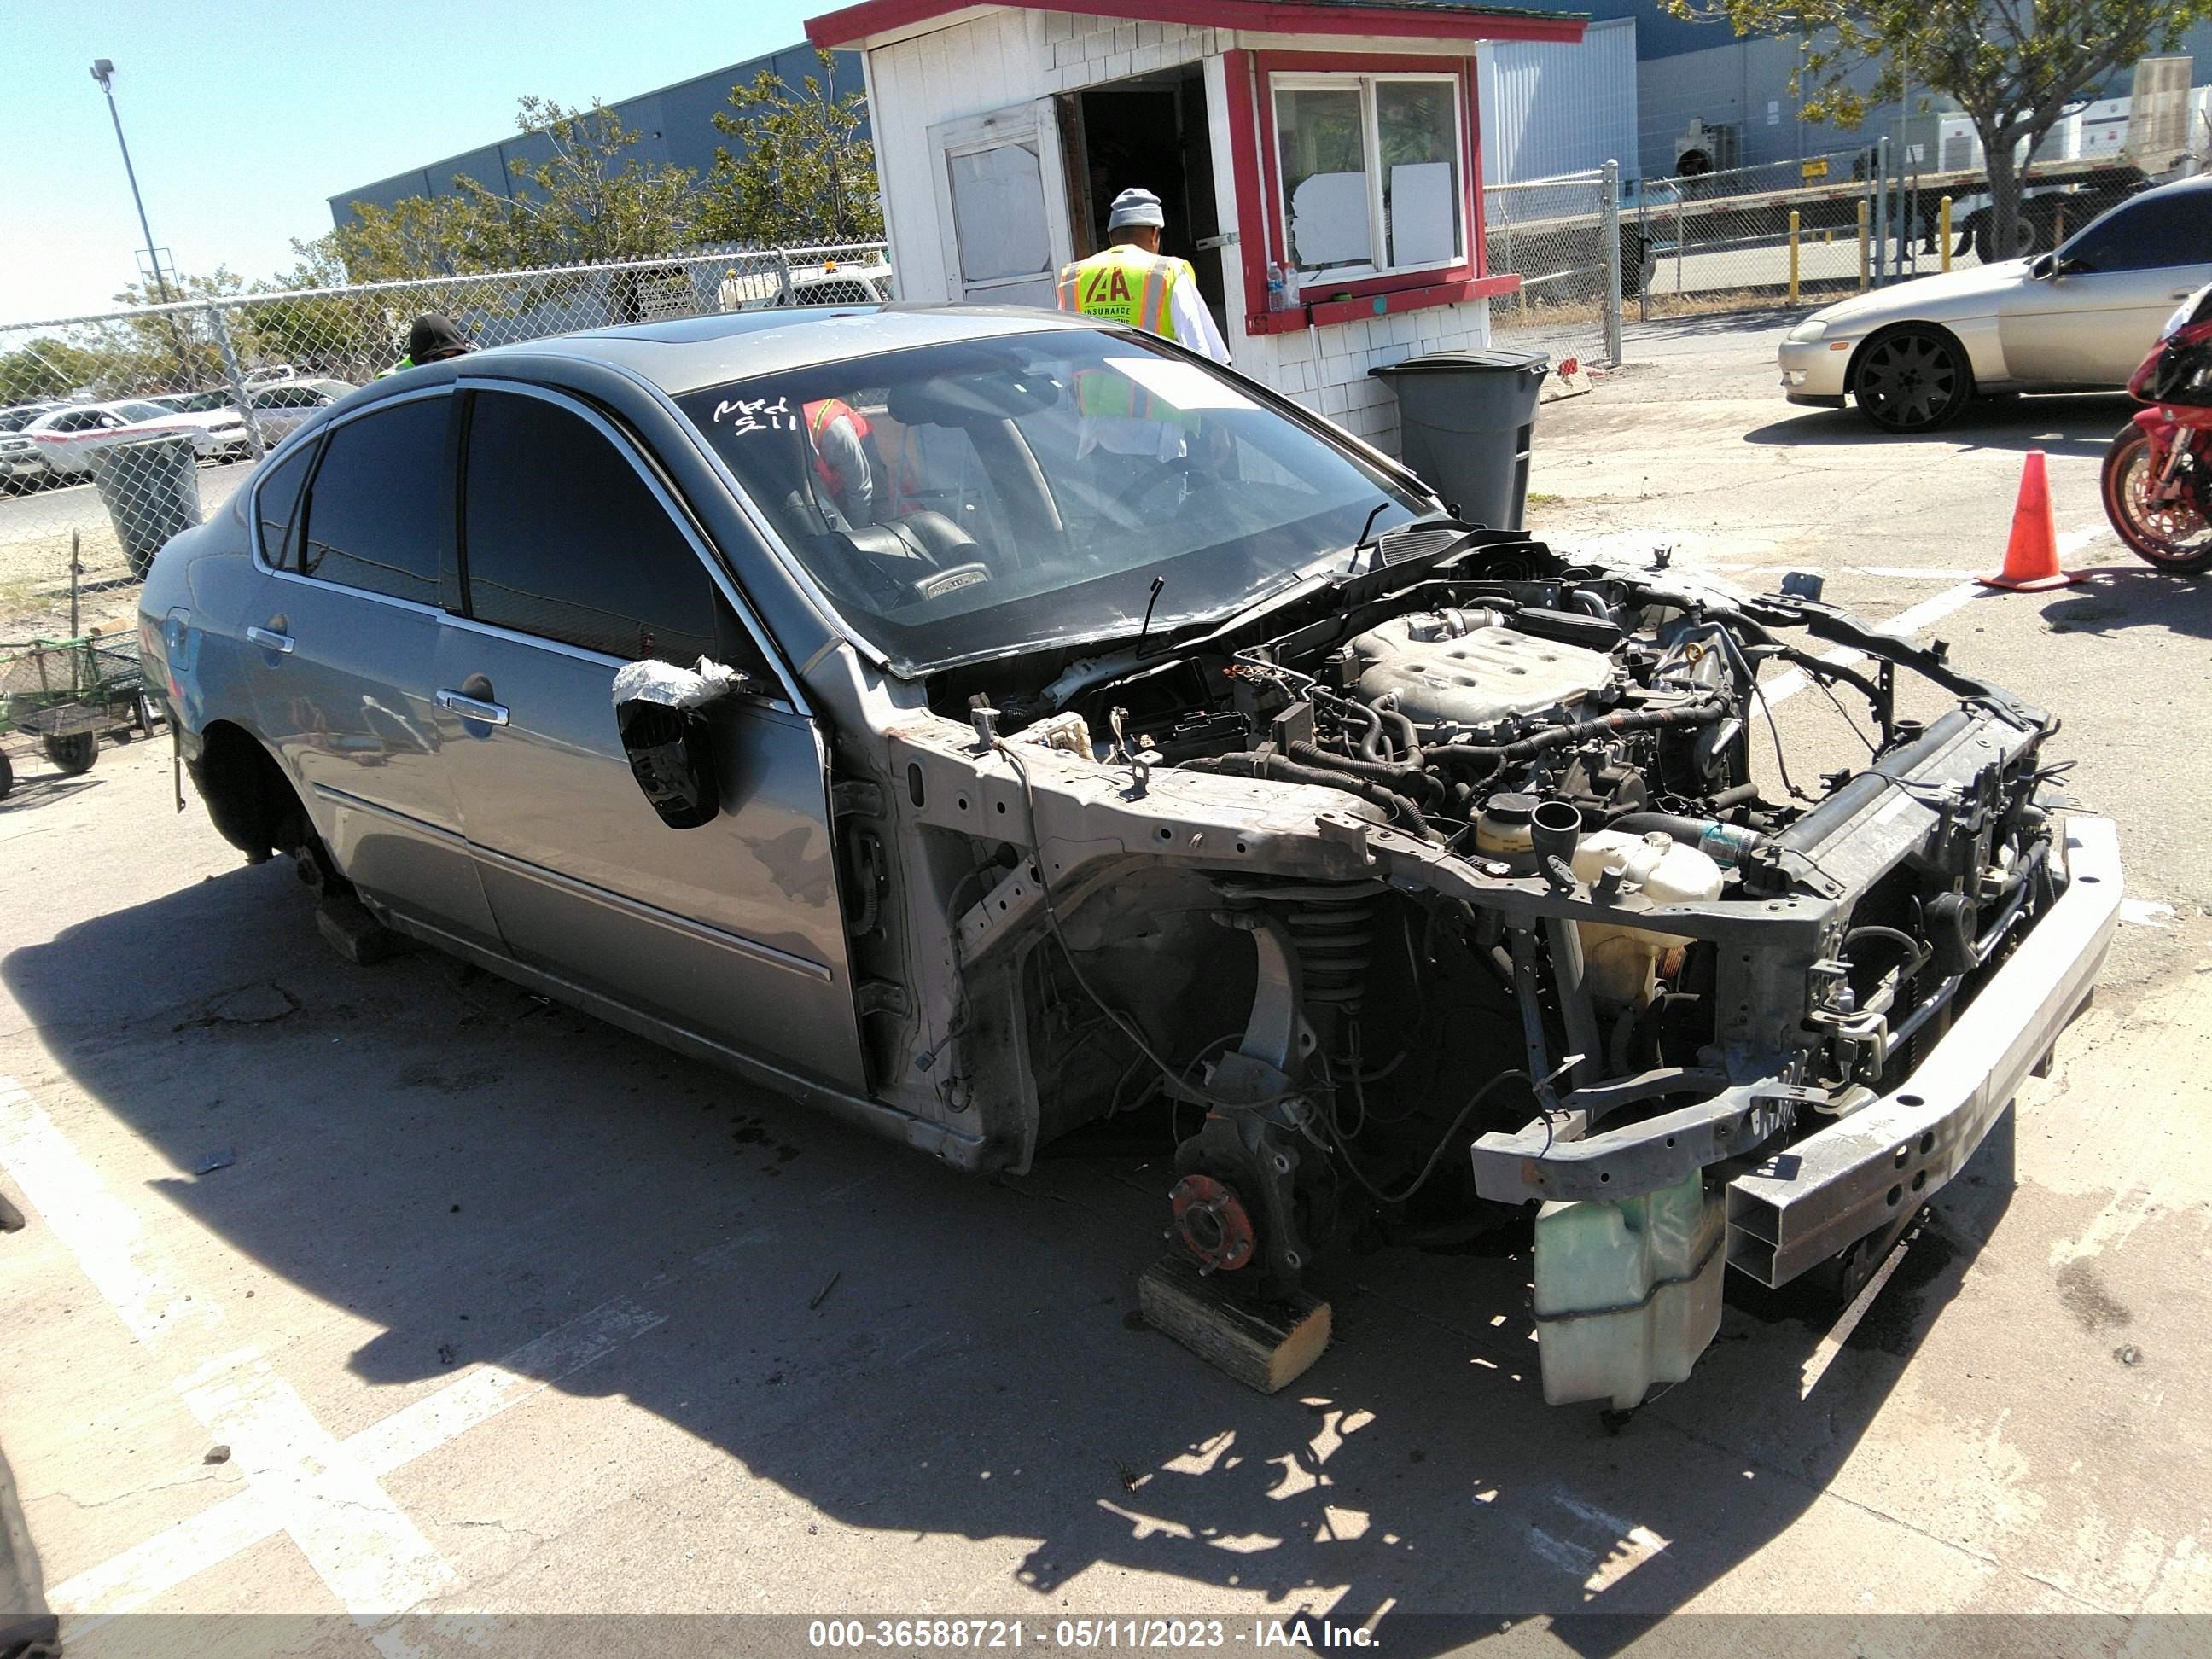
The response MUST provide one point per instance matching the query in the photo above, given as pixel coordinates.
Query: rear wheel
(1911, 378)
(74, 753)
(2174, 536)
(7, 777)
(2024, 238)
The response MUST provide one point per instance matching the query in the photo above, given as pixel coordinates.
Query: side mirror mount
(661, 713)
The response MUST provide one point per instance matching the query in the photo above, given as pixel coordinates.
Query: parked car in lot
(980, 723)
(21, 462)
(68, 437)
(2077, 319)
(280, 408)
(833, 283)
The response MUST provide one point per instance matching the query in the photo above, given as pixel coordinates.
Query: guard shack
(1336, 140)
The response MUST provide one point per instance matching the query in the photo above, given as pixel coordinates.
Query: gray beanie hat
(1135, 207)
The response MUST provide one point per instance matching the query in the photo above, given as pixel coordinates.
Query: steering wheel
(1182, 466)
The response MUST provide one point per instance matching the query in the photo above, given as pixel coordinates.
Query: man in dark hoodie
(432, 338)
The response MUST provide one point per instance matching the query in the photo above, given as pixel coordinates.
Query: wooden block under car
(1264, 1342)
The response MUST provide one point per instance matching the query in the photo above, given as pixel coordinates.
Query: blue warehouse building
(676, 125)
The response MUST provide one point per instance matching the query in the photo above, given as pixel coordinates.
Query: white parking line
(213, 1536)
(1908, 622)
(362, 1544)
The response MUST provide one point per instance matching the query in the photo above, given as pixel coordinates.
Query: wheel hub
(1213, 1223)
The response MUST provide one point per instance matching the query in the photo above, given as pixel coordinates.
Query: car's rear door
(352, 531)
(577, 557)
(2090, 322)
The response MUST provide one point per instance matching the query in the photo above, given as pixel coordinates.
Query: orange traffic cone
(2031, 556)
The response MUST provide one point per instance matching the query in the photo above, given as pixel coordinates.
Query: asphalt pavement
(346, 1290)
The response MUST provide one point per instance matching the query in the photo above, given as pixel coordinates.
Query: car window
(377, 506)
(135, 412)
(277, 506)
(2165, 227)
(562, 538)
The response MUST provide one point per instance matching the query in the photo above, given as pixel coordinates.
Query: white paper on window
(1421, 214)
(1185, 385)
(998, 212)
(1328, 220)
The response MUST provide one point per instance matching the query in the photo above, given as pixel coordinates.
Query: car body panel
(733, 931)
(349, 711)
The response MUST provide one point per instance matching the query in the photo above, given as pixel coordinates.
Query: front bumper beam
(1812, 1200)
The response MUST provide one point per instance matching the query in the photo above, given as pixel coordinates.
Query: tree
(416, 236)
(590, 200)
(2014, 66)
(805, 175)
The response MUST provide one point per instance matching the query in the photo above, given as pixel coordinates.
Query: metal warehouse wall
(1548, 108)
(1746, 83)
(677, 124)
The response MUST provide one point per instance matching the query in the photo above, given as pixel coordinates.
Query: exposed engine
(1446, 888)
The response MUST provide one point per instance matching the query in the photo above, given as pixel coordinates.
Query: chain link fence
(1808, 231)
(119, 430)
(1562, 235)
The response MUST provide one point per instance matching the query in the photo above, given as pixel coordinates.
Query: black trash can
(152, 491)
(1465, 419)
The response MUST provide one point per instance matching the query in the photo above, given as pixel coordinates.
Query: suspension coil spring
(1332, 924)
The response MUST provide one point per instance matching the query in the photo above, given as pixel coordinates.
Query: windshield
(971, 499)
(141, 412)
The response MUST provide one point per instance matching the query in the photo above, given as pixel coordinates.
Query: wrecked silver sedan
(982, 724)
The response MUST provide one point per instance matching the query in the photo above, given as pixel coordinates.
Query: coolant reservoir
(1623, 962)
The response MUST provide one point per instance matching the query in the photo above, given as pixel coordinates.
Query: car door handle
(473, 708)
(270, 640)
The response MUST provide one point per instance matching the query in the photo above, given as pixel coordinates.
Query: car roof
(683, 355)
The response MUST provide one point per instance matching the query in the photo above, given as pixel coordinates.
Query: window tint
(2168, 227)
(562, 538)
(376, 506)
(277, 502)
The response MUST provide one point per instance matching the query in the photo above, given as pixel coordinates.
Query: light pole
(103, 72)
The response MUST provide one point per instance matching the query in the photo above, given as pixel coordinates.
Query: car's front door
(576, 558)
(2092, 319)
(344, 637)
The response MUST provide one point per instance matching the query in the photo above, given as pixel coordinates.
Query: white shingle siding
(1003, 59)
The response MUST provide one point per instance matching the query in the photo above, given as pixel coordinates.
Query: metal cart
(66, 693)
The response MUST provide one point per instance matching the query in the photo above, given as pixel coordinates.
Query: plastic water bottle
(1278, 295)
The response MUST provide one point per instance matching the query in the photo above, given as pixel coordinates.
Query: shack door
(1002, 205)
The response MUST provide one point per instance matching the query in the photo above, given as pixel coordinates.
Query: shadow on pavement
(910, 1351)
(2112, 597)
(2075, 424)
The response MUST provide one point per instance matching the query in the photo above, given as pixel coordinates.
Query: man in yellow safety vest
(1132, 281)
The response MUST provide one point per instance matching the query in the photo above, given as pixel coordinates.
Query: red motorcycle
(2158, 473)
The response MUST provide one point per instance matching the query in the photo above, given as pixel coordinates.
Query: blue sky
(242, 118)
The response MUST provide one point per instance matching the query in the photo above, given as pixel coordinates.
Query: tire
(74, 753)
(2023, 236)
(7, 777)
(1911, 378)
(2179, 540)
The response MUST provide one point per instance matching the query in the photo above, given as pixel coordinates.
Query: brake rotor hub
(1213, 1223)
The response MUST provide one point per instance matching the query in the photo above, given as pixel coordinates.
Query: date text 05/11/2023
(1091, 1635)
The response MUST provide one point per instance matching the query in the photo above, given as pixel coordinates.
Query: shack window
(1370, 169)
